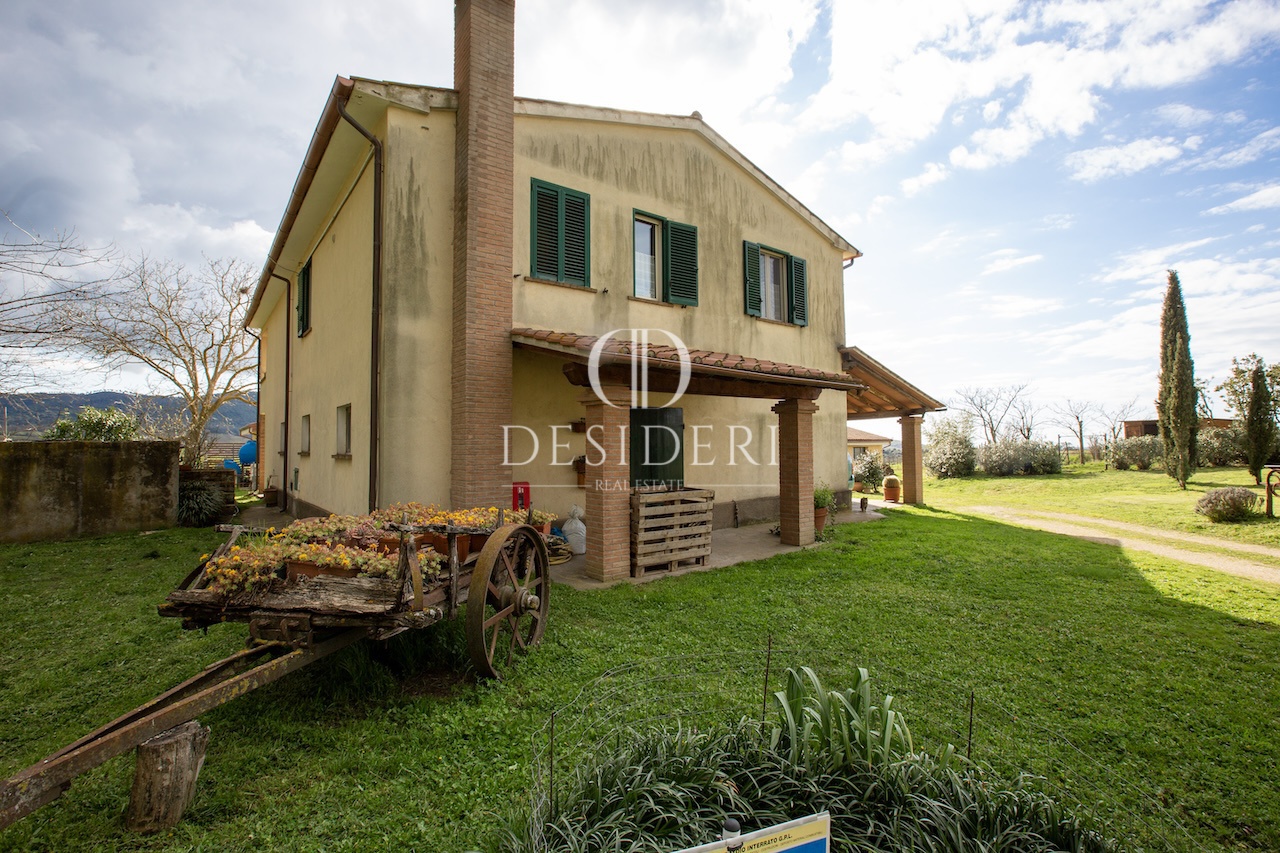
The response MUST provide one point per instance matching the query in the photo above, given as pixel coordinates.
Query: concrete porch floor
(729, 546)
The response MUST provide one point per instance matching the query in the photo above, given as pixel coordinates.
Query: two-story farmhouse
(470, 290)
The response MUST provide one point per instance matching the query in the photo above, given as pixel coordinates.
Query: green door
(657, 448)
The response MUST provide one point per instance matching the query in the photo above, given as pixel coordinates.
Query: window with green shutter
(681, 264)
(798, 281)
(775, 284)
(304, 299)
(666, 259)
(560, 234)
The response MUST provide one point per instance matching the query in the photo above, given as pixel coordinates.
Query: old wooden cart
(293, 622)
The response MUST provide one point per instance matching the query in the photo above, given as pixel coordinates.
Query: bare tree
(1073, 415)
(1115, 418)
(187, 329)
(991, 406)
(1025, 412)
(39, 277)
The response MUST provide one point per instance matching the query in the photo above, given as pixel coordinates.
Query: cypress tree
(1176, 403)
(1259, 423)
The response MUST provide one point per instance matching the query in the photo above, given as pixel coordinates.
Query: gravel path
(1149, 539)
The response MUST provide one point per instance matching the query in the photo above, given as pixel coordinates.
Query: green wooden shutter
(799, 277)
(751, 277)
(681, 263)
(304, 299)
(657, 453)
(576, 243)
(545, 239)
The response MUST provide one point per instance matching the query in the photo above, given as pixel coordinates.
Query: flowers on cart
(260, 561)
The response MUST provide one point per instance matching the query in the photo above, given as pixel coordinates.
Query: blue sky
(1018, 175)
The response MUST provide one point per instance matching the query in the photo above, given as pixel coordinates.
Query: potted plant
(823, 500)
(892, 487)
(271, 494)
(857, 482)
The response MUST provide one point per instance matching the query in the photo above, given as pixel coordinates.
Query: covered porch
(885, 394)
(616, 377)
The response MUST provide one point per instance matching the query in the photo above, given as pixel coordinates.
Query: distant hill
(30, 415)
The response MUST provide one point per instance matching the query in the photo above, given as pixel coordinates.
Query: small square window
(344, 430)
(304, 442)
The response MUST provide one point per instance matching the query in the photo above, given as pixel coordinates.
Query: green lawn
(1147, 688)
(1148, 498)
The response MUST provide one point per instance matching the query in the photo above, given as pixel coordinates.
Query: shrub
(199, 502)
(92, 424)
(1018, 456)
(823, 497)
(868, 470)
(1220, 446)
(950, 451)
(1140, 452)
(1234, 503)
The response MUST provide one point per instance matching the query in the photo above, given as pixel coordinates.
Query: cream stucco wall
(417, 285)
(669, 172)
(330, 364)
(271, 380)
(676, 174)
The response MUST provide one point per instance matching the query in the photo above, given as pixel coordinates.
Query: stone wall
(67, 489)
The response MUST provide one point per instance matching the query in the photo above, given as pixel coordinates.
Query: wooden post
(164, 780)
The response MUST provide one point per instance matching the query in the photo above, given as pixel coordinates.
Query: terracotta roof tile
(666, 353)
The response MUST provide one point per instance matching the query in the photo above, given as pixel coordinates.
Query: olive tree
(187, 328)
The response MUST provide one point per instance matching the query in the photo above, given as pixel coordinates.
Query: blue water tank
(249, 453)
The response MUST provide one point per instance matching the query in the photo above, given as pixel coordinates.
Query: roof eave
(320, 138)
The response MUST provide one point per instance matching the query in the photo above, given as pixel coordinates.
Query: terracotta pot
(440, 542)
(819, 518)
(478, 541)
(892, 493)
(294, 569)
(858, 486)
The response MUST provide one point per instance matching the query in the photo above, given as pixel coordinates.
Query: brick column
(912, 460)
(795, 469)
(483, 212)
(608, 485)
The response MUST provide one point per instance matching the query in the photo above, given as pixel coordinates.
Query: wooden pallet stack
(670, 528)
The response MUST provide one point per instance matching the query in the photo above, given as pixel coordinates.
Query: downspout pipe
(289, 332)
(375, 335)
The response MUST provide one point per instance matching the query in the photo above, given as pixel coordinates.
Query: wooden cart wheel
(507, 603)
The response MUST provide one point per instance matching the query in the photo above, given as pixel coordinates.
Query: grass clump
(1230, 504)
(840, 751)
(199, 503)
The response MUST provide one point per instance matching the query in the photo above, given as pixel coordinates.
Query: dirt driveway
(1139, 538)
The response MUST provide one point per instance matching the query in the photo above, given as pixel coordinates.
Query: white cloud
(933, 173)
(1029, 72)
(1149, 265)
(1057, 222)
(1267, 197)
(1183, 115)
(1259, 146)
(1008, 259)
(1094, 164)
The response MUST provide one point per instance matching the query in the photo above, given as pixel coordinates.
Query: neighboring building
(1137, 429)
(451, 258)
(859, 443)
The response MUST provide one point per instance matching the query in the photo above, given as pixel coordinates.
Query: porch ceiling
(884, 393)
(711, 373)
